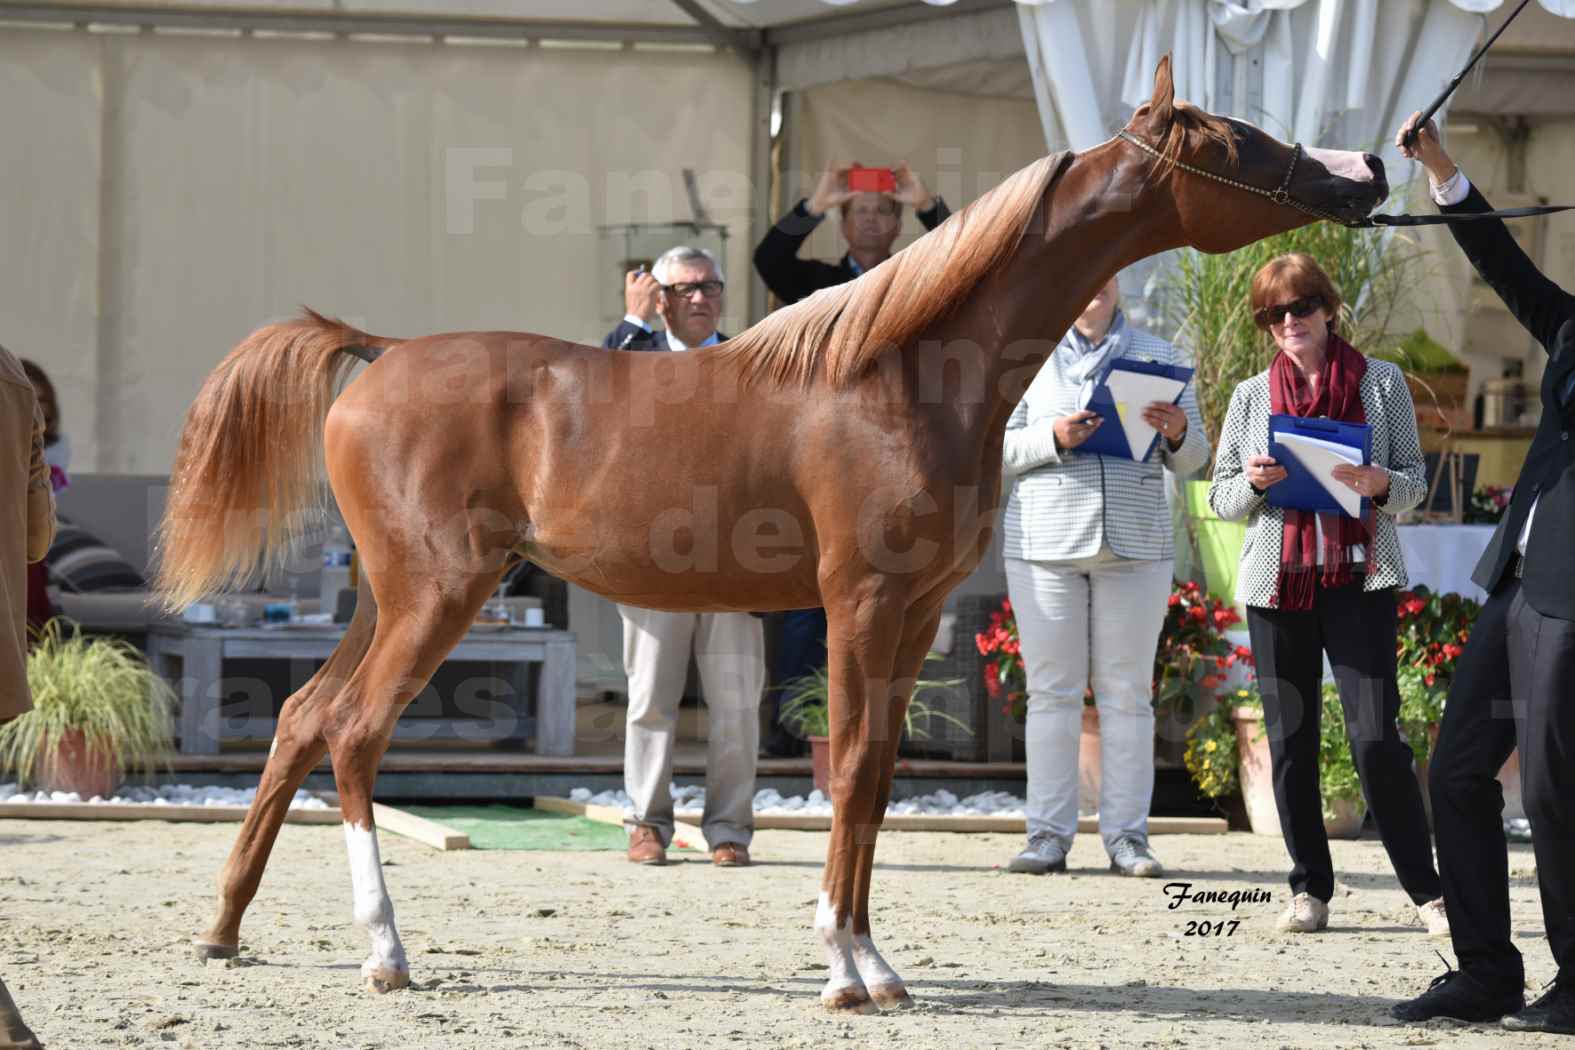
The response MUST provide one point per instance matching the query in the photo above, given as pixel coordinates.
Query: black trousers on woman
(1357, 628)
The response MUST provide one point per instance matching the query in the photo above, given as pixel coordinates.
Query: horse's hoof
(891, 996)
(381, 981)
(210, 950)
(850, 1000)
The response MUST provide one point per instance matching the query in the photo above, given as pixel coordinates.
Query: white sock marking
(373, 909)
(838, 942)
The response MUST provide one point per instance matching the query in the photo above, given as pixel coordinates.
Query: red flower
(1429, 679)
(1209, 681)
(1451, 650)
(992, 680)
(1221, 662)
(1006, 605)
(983, 642)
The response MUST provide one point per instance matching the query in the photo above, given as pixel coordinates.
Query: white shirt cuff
(637, 321)
(1452, 190)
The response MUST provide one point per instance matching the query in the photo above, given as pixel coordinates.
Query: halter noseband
(1279, 196)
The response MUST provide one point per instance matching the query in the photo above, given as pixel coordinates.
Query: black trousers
(1514, 687)
(1357, 629)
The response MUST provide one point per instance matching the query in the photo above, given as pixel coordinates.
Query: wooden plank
(427, 832)
(128, 811)
(690, 818)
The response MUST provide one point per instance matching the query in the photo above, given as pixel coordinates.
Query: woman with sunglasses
(1325, 583)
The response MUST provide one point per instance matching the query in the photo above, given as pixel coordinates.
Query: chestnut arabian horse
(845, 452)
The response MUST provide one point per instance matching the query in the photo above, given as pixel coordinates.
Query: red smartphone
(872, 180)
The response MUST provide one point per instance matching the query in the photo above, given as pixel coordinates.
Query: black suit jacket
(1548, 475)
(632, 337)
(792, 278)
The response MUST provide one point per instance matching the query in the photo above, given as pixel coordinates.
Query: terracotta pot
(1256, 771)
(1346, 823)
(820, 762)
(1088, 764)
(74, 767)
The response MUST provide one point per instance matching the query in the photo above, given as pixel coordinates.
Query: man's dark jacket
(1548, 475)
(792, 278)
(632, 337)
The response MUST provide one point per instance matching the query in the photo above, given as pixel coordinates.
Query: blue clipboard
(1111, 439)
(1300, 490)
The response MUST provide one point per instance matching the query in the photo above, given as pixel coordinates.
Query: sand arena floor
(585, 950)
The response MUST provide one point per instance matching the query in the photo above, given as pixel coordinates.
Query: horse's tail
(248, 469)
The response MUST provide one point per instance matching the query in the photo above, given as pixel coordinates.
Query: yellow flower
(1241, 693)
(1211, 745)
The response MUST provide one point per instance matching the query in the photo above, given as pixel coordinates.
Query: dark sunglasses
(1303, 307)
(709, 289)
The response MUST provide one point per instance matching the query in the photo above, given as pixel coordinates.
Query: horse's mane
(847, 327)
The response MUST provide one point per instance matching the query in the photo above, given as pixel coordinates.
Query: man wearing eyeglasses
(684, 289)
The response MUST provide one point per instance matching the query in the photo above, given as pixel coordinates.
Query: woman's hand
(1263, 471)
(1071, 431)
(1372, 482)
(1168, 419)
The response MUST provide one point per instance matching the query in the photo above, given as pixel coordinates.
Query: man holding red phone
(871, 201)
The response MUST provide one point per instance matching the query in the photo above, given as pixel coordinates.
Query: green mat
(518, 827)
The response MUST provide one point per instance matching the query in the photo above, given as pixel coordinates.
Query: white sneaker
(1307, 914)
(1434, 917)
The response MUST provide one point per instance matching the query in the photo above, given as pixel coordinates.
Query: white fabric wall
(182, 191)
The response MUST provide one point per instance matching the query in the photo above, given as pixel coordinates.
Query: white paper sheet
(1132, 392)
(1319, 458)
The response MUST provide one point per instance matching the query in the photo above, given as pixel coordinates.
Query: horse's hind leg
(298, 746)
(432, 615)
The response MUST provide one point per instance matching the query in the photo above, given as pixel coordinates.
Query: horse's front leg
(863, 641)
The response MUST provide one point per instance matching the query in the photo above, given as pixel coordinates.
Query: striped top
(1386, 400)
(1067, 504)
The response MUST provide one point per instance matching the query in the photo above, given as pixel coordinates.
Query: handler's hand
(1071, 431)
(1168, 419)
(1426, 149)
(1372, 482)
(1263, 471)
(640, 295)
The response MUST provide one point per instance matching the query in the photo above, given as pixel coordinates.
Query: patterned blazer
(1066, 504)
(1386, 400)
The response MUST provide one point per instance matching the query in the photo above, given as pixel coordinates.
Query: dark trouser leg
(1288, 649)
(1542, 679)
(1476, 738)
(1359, 630)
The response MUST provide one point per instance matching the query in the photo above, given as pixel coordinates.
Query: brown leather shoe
(730, 855)
(645, 846)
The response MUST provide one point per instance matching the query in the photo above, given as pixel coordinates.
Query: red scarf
(1339, 397)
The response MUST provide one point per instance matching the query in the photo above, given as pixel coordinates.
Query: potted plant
(1206, 300)
(1341, 789)
(805, 710)
(98, 711)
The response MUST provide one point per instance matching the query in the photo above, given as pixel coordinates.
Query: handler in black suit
(870, 225)
(1515, 683)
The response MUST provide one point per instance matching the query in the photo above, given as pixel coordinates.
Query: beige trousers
(730, 650)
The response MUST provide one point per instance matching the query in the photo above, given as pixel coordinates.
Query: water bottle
(337, 552)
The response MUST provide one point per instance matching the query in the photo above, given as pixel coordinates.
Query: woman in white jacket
(1089, 554)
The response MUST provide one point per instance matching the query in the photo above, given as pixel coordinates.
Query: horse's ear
(1162, 107)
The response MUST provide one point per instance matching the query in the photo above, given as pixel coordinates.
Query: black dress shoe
(1460, 997)
(1553, 1012)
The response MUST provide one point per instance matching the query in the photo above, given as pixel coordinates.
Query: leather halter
(1278, 196)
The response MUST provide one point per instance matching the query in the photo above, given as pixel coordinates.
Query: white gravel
(167, 795)
(771, 802)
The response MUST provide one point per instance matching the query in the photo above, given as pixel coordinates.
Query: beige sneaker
(1307, 914)
(1434, 917)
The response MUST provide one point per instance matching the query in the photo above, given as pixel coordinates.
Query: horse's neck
(1097, 218)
